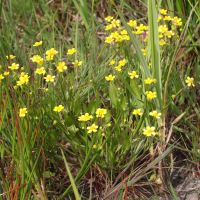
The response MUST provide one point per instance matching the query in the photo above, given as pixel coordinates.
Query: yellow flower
(151, 95)
(119, 38)
(49, 78)
(167, 18)
(112, 62)
(101, 112)
(140, 86)
(108, 40)
(71, 51)
(54, 122)
(119, 88)
(49, 57)
(14, 66)
(164, 12)
(148, 81)
(109, 124)
(155, 114)
(46, 89)
(40, 70)
(133, 74)
(124, 32)
(109, 18)
(58, 108)
(149, 131)
(139, 31)
(92, 128)
(6, 73)
(1, 77)
(37, 59)
(137, 112)
(37, 44)
(125, 37)
(173, 96)
(51, 52)
(159, 18)
(146, 39)
(162, 42)
(108, 27)
(22, 112)
(122, 62)
(177, 21)
(162, 29)
(24, 78)
(190, 81)
(61, 66)
(115, 23)
(11, 57)
(84, 118)
(22, 68)
(103, 134)
(94, 146)
(144, 51)
(114, 35)
(110, 78)
(77, 63)
(118, 68)
(169, 34)
(132, 23)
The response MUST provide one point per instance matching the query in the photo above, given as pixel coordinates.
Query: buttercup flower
(122, 62)
(162, 42)
(24, 78)
(155, 114)
(112, 62)
(6, 73)
(51, 52)
(71, 51)
(132, 23)
(190, 81)
(49, 78)
(118, 68)
(149, 131)
(77, 63)
(144, 51)
(58, 108)
(84, 118)
(150, 95)
(108, 27)
(115, 23)
(110, 78)
(14, 66)
(22, 112)
(11, 57)
(148, 81)
(109, 40)
(92, 128)
(137, 112)
(101, 112)
(94, 146)
(37, 44)
(40, 70)
(133, 74)
(1, 77)
(164, 12)
(61, 66)
(167, 18)
(109, 18)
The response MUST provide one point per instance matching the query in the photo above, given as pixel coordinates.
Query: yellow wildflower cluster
(24, 78)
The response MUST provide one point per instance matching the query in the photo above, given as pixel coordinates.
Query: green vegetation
(96, 96)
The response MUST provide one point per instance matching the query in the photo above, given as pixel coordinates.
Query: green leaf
(113, 94)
